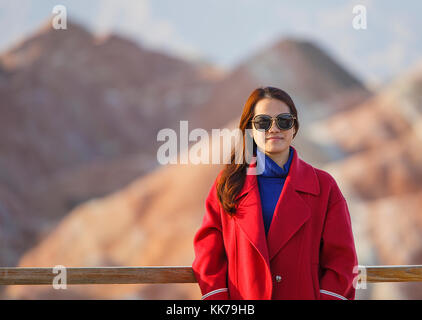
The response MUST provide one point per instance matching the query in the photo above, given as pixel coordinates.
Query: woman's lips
(275, 138)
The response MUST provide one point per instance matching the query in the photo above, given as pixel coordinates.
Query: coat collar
(290, 213)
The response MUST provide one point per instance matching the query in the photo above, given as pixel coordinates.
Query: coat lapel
(249, 214)
(290, 213)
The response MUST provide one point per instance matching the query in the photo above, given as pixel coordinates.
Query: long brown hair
(233, 175)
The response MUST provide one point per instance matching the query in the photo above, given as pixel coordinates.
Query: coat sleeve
(338, 259)
(210, 263)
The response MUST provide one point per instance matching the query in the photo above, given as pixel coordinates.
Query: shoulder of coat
(328, 183)
(325, 178)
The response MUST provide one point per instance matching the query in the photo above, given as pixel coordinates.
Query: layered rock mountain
(79, 116)
(317, 83)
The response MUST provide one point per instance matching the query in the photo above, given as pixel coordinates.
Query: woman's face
(276, 140)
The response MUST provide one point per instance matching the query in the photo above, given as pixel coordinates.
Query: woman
(281, 233)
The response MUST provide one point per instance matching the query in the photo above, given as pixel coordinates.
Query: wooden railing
(167, 274)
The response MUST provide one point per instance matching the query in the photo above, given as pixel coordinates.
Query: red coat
(309, 252)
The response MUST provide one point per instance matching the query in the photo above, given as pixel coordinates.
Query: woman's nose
(274, 127)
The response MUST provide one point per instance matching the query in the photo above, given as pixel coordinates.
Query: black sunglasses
(284, 121)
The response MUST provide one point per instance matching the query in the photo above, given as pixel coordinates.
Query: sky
(227, 32)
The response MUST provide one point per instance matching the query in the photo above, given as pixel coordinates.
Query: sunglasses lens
(262, 123)
(285, 122)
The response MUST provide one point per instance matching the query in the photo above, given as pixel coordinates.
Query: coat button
(278, 278)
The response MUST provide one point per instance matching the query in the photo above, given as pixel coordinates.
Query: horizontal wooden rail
(98, 275)
(167, 274)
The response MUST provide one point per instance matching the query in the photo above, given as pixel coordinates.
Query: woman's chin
(275, 147)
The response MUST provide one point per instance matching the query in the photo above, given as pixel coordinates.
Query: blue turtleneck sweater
(270, 184)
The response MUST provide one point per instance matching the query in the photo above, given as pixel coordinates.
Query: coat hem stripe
(333, 294)
(214, 292)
